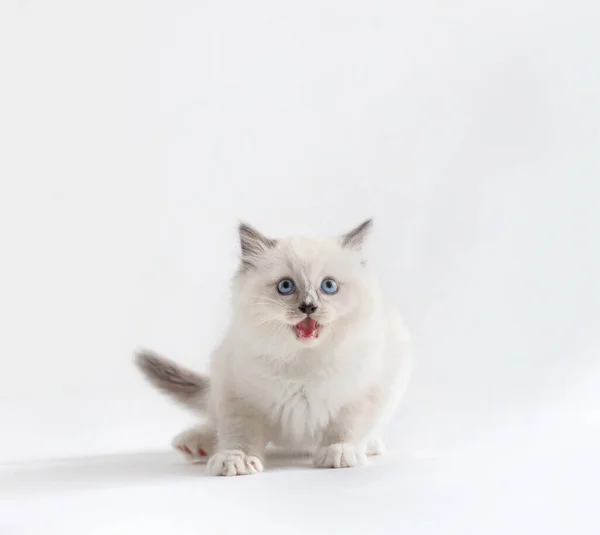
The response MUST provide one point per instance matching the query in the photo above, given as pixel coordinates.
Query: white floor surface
(520, 479)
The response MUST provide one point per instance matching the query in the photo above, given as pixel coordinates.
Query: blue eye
(286, 286)
(329, 286)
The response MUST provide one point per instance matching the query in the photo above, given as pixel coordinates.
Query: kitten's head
(298, 290)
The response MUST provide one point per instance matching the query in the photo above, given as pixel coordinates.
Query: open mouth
(307, 329)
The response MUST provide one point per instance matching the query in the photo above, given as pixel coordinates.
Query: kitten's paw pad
(195, 444)
(233, 463)
(375, 446)
(340, 455)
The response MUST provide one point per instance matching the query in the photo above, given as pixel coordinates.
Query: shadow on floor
(126, 469)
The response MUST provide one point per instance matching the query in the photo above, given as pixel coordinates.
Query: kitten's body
(329, 391)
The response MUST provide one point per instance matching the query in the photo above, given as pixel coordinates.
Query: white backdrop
(134, 135)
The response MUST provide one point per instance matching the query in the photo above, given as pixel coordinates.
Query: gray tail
(184, 386)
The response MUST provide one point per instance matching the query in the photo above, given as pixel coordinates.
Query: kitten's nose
(307, 308)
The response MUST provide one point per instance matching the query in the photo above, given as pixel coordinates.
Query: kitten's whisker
(278, 302)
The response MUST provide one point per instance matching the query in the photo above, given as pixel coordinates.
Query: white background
(134, 135)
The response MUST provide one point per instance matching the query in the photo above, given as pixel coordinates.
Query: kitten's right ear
(253, 244)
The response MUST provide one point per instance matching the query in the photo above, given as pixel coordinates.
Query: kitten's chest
(303, 409)
(299, 411)
(300, 402)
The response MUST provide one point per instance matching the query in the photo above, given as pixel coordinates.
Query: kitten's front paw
(233, 463)
(342, 455)
(196, 444)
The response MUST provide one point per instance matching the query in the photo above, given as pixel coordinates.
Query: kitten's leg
(344, 443)
(241, 441)
(197, 443)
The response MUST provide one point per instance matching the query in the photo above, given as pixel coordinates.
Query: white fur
(330, 395)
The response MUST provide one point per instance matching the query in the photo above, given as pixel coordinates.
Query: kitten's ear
(253, 244)
(357, 236)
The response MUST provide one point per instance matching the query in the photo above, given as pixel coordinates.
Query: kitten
(314, 359)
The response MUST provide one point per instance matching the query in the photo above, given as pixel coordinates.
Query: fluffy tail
(184, 386)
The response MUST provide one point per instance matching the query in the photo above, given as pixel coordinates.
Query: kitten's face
(298, 290)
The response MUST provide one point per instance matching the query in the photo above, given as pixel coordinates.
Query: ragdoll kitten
(314, 359)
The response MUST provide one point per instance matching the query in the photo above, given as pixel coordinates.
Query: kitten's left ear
(357, 236)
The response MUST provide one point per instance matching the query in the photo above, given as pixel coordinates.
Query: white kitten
(313, 359)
